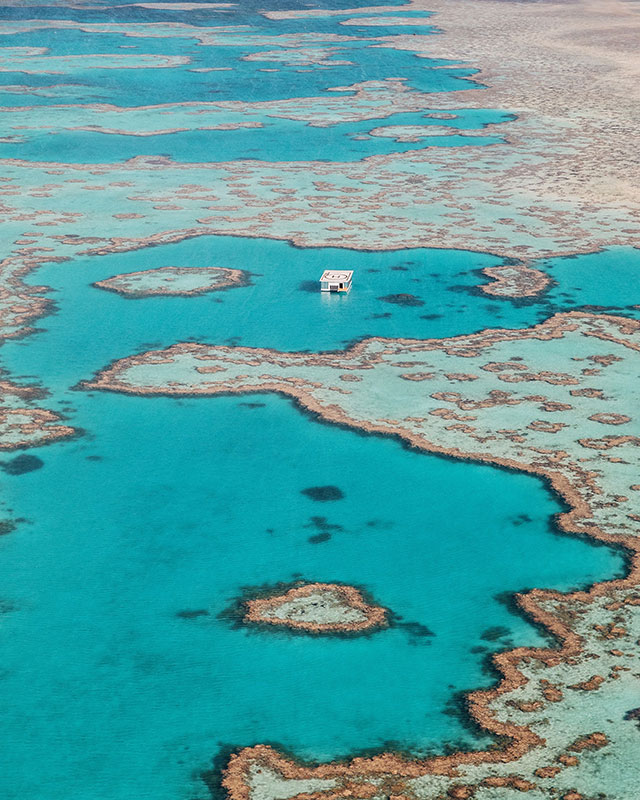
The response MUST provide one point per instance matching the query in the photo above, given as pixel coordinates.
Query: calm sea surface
(163, 506)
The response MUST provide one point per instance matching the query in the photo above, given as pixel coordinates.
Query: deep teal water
(164, 505)
(282, 308)
(124, 699)
(192, 500)
(279, 140)
(245, 81)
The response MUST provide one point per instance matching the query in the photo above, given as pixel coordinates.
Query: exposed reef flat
(182, 281)
(30, 427)
(521, 399)
(558, 184)
(207, 36)
(22, 424)
(515, 280)
(317, 608)
(37, 61)
(370, 100)
(415, 133)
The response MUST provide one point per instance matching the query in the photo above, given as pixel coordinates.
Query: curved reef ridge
(515, 280)
(554, 378)
(24, 425)
(30, 427)
(173, 281)
(318, 608)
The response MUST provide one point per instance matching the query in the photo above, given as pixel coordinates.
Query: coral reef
(537, 709)
(170, 281)
(317, 608)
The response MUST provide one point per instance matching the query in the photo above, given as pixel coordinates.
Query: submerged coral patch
(7, 526)
(21, 464)
(318, 538)
(323, 494)
(192, 613)
(409, 300)
(324, 527)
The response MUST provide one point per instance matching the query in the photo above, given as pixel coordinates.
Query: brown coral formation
(515, 281)
(593, 741)
(167, 281)
(23, 424)
(29, 427)
(610, 418)
(595, 682)
(318, 608)
(579, 483)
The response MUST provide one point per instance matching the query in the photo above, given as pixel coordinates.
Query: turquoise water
(278, 140)
(180, 511)
(242, 79)
(125, 699)
(164, 506)
(580, 280)
(282, 308)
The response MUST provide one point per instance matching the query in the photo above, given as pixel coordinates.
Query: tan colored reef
(318, 608)
(173, 281)
(569, 71)
(22, 425)
(517, 280)
(562, 181)
(534, 400)
(22, 422)
(540, 400)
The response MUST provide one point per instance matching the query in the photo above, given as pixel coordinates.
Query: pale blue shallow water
(278, 140)
(165, 506)
(282, 307)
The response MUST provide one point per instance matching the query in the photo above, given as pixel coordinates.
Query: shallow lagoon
(172, 505)
(242, 79)
(166, 506)
(279, 140)
(190, 502)
(283, 308)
